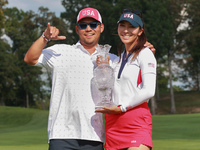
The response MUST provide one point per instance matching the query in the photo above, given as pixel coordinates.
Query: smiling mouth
(89, 35)
(125, 36)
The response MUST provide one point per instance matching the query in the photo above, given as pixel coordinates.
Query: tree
(190, 37)
(2, 4)
(6, 65)
(174, 10)
(7, 73)
(22, 31)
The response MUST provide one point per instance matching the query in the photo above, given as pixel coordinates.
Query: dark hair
(141, 39)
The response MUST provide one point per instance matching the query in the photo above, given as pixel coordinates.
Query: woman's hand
(110, 110)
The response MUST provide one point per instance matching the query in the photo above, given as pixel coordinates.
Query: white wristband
(123, 109)
(44, 37)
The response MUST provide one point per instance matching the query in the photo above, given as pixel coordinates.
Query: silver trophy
(104, 78)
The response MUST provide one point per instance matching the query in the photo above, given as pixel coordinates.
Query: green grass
(176, 132)
(26, 129)
(23, 129)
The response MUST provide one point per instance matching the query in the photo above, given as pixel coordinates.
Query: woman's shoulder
(146, 52)
(146, 55)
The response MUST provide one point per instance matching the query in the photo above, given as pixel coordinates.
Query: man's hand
(51, 33)
(100, 60)
(150, 46)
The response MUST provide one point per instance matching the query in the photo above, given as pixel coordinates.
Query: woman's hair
(141, 39)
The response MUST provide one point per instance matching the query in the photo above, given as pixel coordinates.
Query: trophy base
(100, 106)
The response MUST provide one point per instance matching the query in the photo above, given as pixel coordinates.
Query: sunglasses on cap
(93, 25)
(135, 11)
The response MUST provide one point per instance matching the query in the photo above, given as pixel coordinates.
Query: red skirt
(129, 129)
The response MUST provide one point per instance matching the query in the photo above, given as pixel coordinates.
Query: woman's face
(128, 33)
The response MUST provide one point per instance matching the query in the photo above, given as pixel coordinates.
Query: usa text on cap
(89, 12)
(134, 19)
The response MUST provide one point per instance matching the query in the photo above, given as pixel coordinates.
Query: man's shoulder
(113, 56)
(60, 46)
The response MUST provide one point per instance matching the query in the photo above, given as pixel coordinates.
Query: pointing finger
(48, 26)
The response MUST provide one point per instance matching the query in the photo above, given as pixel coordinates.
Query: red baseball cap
(89, 12)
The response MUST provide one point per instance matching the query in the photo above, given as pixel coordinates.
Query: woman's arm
(147, 91)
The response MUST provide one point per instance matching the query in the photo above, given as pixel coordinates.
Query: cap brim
(88, 17)
(133, 23)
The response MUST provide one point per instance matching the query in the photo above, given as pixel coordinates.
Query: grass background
(26, 129)
(176, 132)
(23, 129)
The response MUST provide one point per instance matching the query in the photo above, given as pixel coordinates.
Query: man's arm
(34, 52)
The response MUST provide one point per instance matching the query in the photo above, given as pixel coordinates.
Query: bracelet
(123, 109)
(45, 38)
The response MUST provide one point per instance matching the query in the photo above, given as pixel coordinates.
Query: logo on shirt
(133, 141)
(151, 65)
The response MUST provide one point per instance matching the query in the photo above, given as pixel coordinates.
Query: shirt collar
(78, 45)
(125, 57)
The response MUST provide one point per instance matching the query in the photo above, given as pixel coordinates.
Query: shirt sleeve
(148, 65)
(47, 57)
(114, 60)
(147, 61)
(147, 91)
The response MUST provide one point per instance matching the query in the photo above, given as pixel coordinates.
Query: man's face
(89, 37)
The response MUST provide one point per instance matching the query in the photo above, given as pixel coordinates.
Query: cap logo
(88, 13)
(132, 18)
(128, 16)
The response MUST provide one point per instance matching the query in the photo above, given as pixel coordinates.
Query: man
(73, 123)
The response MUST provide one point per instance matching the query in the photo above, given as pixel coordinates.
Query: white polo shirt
(72, 107)
(128, 91)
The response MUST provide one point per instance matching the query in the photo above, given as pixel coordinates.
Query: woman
(129, 124)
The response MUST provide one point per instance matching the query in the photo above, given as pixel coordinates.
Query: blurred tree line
(172, 26)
